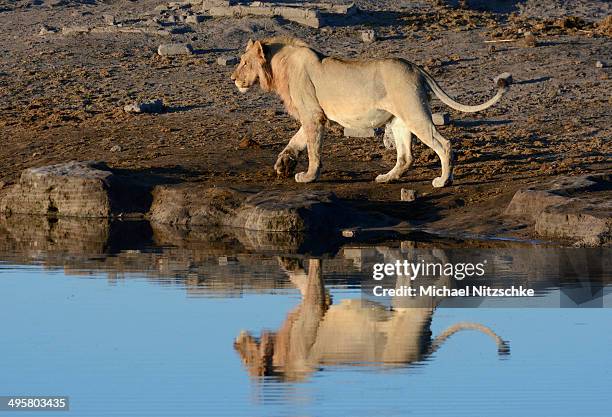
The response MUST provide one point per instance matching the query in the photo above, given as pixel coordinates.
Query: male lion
(355, 94)
(352, 332)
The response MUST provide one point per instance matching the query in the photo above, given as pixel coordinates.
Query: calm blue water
(129, 344)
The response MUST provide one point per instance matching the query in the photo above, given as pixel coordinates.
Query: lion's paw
(304, 177)
(382, 178)
(285, 165)
(439, 182)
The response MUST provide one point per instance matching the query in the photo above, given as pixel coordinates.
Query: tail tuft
(504, 81)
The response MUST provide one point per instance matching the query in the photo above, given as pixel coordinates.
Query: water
(129, 321)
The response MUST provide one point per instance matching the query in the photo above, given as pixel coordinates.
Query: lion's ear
(259, 49)
(249, 44)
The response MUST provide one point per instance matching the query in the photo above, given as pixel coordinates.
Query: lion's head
(252, 68)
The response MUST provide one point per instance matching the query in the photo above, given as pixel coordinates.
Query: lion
(353, 332)
(355, 94)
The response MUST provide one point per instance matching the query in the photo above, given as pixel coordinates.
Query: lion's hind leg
(424, 129)
(403, 147)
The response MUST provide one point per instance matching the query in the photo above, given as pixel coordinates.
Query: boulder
(152, 106)
(174, 49)
(289, 211)
(71, 189)
(586, 220)
(194, 205)
(574, 208)
(76, 189)
(270, 211)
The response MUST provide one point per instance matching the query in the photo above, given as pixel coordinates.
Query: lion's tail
(503, 348)
(503, 85)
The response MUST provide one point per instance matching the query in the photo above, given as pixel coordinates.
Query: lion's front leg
(314, 139)
(287, 160)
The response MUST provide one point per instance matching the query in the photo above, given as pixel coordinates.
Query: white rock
(173, 49)
(408, 195)
(227, 60)
(368, 36)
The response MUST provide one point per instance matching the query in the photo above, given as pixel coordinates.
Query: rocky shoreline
(566, 209)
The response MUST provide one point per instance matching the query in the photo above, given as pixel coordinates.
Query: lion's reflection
(352, 332)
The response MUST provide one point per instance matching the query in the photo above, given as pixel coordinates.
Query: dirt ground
(62, 98)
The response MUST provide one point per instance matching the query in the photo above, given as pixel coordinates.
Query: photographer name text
(443, 291)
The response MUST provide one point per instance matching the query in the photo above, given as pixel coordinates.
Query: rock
(78, 189)
(359, 133)
(529, 203)
(116, 148)
(408, 195)
(193, 19)
(368, 36)
(576, 208)
(71, 189)
(587, 221)
(208, 4)
(600, 64)
(305, 16)
(153, 106)
(174, 49)
(46, 30)
(440, 119)
(194, 205)
(109, 19)
(227, 60)
(271, 211)
(289, 211)
(75, 30)
(55, 3)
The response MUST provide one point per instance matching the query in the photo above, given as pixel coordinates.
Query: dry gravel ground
(62, 98)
